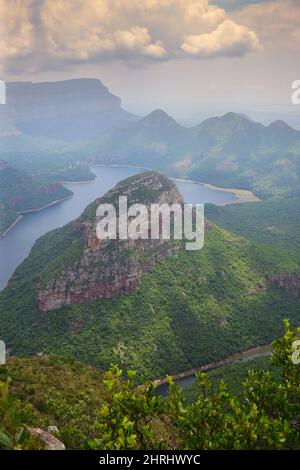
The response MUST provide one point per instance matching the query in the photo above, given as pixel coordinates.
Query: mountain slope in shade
(235, 151)
(64, 110)
(275, 221)
(153, 141)
(230, 151)
(190, 309)
(19, 192)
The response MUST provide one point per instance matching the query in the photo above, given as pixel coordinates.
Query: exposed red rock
(286, 281)
(107, 268)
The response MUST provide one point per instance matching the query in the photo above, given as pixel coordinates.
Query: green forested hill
(230, 151)
(275, 221)
(193, 308)
(56, 391)
(20, 192)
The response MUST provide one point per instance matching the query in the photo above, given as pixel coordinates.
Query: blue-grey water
(16, 245)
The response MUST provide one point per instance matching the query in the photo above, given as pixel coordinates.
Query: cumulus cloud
(123, 28)
(133, 30)
(15, 28)
(137, 40)
(228, 39)
(277, 22)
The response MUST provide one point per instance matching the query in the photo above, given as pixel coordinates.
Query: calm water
(16, 245)
(184, 382)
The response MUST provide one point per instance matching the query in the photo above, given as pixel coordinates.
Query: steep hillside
(193, 307)
(153, 141)
(275, 222)
(102, 269)
(19, 192)
(230, 151)
(56, 391)
(237, 151)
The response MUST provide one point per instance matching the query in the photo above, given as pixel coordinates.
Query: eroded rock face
(107, 268)
(287, 281)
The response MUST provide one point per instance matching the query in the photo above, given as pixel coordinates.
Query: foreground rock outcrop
(50, 442)
(106, 268)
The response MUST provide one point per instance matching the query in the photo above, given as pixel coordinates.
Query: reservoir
(17, 243)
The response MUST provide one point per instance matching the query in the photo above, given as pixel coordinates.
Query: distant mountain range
(65, 110)
(230, 150)
(89, 125)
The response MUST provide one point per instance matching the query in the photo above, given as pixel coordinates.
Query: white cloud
(228, 39)
(15, 29)
(277, 22)
(138, 40)
(138, 30)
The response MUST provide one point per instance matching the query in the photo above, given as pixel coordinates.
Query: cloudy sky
(194, 58)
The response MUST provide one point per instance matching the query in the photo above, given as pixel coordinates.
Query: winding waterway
(187, 378)
(17, 243)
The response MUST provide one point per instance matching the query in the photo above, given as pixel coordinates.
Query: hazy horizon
(193, 58)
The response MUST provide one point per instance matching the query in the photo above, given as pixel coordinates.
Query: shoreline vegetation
(7, 229)
(243, 356)
(241, 195)
(21, 213)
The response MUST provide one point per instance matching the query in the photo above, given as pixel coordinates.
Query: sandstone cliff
(290, 282)
(106, 268)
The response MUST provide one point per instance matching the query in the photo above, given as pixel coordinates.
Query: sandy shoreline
(241, 195)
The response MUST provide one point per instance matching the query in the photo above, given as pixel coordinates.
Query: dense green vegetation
(7, 217)
(192, 309)
(234, 375)
(20, 192)
(230, 151)
(220, 290)
(58, 392)
(108, 411)
(275, 221)
(49, 166)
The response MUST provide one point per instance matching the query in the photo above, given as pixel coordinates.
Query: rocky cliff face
(64, 110)
(289, 282)
(107, 268)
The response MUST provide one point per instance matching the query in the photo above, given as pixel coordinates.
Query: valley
(16, 245)
(149, 232)
(245, 279)
(227, 287)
